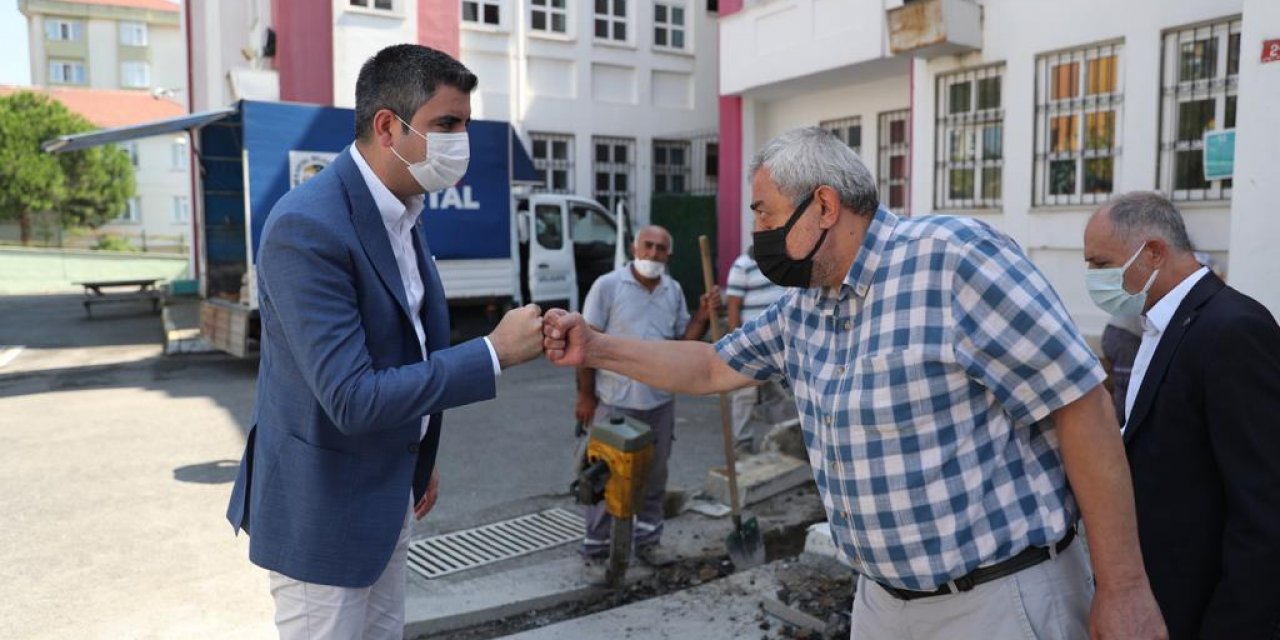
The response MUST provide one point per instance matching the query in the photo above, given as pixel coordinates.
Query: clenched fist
(566, 337)
(518, 336)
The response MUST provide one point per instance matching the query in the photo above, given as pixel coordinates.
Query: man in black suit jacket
(1203, 423)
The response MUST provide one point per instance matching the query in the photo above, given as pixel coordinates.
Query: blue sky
(15, 64)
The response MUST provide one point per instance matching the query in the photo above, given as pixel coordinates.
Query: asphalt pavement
(116, 463)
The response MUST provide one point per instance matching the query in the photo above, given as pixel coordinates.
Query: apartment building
(1025, 114)
(107, 59)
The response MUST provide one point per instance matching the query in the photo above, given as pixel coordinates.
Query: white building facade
(614, 99)
(1025, 114)
(134, 46)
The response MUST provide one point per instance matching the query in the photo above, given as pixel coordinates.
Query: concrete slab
(760, 477)
(546, 579)
(442, 606)
(727, 608)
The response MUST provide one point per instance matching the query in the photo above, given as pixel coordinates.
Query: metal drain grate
(461, 550)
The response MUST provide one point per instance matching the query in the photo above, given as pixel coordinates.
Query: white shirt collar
(1157, 319)
(393, 211)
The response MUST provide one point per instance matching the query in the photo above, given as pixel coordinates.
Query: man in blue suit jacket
(356, 366)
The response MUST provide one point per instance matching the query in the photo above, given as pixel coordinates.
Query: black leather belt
(1029, 557)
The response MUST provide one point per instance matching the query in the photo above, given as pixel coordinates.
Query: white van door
(551, 273)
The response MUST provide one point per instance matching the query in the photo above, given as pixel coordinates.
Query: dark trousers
(648, 525)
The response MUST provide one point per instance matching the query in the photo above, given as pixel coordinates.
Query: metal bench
(108, 291)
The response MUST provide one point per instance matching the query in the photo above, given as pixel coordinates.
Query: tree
(88, 187)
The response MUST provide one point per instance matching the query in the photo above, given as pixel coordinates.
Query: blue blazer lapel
(369, 228)
(1200, 294)
(435, 308)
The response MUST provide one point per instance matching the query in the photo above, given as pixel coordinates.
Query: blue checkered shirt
(924, 384)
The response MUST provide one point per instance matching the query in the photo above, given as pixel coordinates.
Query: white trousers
(306, 611)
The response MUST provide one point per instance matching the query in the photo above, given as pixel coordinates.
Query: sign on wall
(1219, 154)
(1271, 50)
(303, 165)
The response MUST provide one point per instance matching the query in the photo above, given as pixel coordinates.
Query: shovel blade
(746, 546)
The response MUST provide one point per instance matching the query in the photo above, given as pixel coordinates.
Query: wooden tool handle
(726, 428)
(709, 282)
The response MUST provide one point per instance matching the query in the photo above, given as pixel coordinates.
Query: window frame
(973, 123)
(132, 213)
(124, 74)
(669, 27)
(69, 64)
(74, 30)
(667, 169)
(371, 7)
(131, 147)
(886, 151)
(181, 211)
(179, 155)
(608, 198)
(840, 128)
(1221, 88)
(549, 164)
(1077, 109)
(136, 28)
(612, 20)
(551, 11)
(502, 7)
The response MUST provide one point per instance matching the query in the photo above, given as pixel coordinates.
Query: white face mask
(446, 161)
(649, 268)
(1106, 287)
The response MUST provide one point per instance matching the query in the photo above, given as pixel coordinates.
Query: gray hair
(803, 159)
(1142, 215)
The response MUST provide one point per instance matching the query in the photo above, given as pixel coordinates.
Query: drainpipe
(197, 203)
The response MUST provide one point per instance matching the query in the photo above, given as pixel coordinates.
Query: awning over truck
(75, 142)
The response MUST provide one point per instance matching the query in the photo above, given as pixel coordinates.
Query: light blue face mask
(1106, 287)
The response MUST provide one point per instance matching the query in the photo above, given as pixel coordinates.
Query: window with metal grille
(894, 169)
(1079, 101)
(611, 20)
(670, 166)
(549, 16)
(849, 130)
(553, 156)
(970, 139)
(482, 12)
(668, 25)
(613, 167)
(1201, 68)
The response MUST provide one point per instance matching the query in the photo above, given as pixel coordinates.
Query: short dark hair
(1142, 214)
(402, 78)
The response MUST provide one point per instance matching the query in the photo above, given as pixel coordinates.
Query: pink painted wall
(439, 23)
(304, 50)
(729, 187)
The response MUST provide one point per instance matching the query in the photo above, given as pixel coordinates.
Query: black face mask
(770, 250)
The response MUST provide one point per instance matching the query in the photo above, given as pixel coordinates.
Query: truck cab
(565, 243)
